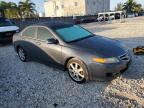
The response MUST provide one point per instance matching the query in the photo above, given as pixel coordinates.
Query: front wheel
(77, 70)
(22, 54)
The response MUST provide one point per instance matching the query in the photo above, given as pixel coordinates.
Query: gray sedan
(82, 54)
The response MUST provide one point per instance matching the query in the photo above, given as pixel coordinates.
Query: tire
(77, 70)
(22, 54)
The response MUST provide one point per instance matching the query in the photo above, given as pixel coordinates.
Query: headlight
(106, 60)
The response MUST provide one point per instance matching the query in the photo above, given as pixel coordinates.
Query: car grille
(124, 57)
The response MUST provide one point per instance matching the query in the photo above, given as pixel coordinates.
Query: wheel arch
(66, 61)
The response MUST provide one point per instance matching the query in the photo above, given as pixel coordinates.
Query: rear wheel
(77, 70)
(22, 54)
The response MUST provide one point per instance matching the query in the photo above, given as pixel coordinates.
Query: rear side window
(43, 34)
(30, 32)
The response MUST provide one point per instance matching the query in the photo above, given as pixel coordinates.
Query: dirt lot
(34, 85)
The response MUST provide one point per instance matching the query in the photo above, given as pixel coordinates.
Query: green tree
(132, 7)
(138, 8)
(119, 7)
(10, 9)
(27, 9)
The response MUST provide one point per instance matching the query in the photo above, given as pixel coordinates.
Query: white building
(56, 8)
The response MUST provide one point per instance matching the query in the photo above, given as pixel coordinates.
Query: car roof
(54, 24)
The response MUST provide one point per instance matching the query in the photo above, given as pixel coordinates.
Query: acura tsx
(84, 55)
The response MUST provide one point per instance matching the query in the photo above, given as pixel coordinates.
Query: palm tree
(3, 4)
(27, 9)
(10, 9)
(131, 7)
(138, 8)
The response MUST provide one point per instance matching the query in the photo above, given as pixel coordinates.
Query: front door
(49, 53)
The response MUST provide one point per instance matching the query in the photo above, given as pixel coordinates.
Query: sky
(40, 3)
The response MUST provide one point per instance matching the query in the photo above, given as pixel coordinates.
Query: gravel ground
(35, 85)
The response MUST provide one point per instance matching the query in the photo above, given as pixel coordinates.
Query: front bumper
(6, 36)
(107, 71)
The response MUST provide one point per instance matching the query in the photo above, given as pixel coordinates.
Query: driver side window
(43, 34)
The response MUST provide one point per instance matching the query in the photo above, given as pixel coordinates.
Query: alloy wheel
(76, 71)
(21, 54)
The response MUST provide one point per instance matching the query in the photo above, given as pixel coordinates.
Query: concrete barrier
(22, 23)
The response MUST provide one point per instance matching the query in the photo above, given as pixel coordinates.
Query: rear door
(50, 53)
(28, 41)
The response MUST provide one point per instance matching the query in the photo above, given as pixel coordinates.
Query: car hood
(8, 28)
(99, 46)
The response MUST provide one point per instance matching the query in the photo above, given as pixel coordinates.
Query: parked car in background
(117, 15)
(106, 17)
(111, 17)
(100, 18)
(7, 30)
(83, 54)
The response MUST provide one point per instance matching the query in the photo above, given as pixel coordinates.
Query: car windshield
(5, 22)
(73, 33)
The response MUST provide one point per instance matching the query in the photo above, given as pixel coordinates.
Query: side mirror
(52, 41)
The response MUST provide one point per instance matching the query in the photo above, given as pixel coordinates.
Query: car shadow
(41, 59)
(3, 44)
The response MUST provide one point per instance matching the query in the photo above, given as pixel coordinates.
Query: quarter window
(30, 32)
(43, 34)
